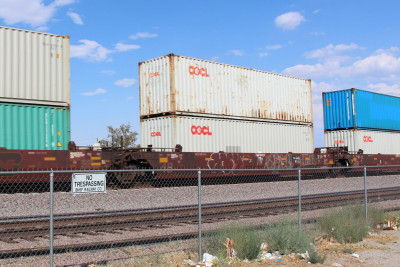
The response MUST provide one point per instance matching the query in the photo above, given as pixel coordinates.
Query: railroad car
(147, 159)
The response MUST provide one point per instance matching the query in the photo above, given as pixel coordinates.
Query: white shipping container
(34, 67)
(197, 134)
(175, 84)
(371, 142)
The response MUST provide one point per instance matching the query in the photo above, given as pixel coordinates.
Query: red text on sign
(198, 71)
(201, 130)
(154, 74)
(368, 139)
(154, 134)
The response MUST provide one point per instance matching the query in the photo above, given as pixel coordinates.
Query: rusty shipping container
(371, 142)
(199, 134)
(175, 84)
(34, 67)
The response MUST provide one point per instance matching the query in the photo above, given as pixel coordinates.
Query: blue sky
(338, 44)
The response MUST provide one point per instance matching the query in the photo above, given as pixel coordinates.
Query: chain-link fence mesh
(156, 207)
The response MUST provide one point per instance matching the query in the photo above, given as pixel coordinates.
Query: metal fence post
(51, 215)
(365, 193)
(199, 207)
(299, 174)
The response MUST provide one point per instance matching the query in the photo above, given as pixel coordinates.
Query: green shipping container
(34, 127)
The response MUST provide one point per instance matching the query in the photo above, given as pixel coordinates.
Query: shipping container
(199, 134)
(358, 109)
(371, 142)
(175, 84)
(34, 127)
(34, 67)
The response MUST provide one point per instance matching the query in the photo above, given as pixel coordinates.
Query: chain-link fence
(43, 222)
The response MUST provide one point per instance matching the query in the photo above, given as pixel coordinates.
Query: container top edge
(24, 30)
(355, 89)
(220, 63)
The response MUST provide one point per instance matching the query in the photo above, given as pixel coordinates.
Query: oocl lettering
(154, 74)
(154, 134)
(198, 71)
(368, 139)
(339, 142)
(201, 130)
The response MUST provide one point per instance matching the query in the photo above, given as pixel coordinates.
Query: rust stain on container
(225, 90)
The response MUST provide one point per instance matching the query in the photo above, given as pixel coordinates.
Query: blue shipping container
(358, 109)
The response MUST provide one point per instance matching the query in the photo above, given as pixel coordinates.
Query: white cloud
(31, 12)
(75, 18)
(316, 33)
(90, 51)
(273, 47)
(143, 35)
(125, 82)
(263, 54)
(94, 52)
(316, 11)
(332, 50)
(214, 58)
(237, 52)
(130, 98)
(125, 47)
(98, 91)
(383, 88)
(108, 72)
(289, 20)
(382, 65)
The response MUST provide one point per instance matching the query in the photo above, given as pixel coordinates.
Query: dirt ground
(379, 249)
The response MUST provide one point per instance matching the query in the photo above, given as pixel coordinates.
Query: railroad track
(29, 228)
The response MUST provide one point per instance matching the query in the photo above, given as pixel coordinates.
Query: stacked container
(209, 106)
(362, 120)
(34, 90)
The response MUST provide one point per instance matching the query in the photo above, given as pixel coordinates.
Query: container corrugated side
(34, 67)
(181, 85)
(359, 109)
(338, 110)
(371, 142)
(197, 134)
(34, 127)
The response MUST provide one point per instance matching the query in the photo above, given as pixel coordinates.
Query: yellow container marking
(59, 133)
(209, 159)
(59, 144)
(331, 162)
(95, 158)
(49, 158)
(95, 164)
(283, 158)
(31, 166)
(354, 159)
(163, 160)
(375, 158)
(307, 158)
(246, 159)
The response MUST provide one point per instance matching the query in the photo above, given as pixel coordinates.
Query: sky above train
(338, 44)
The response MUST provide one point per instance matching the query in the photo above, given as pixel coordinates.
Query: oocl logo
(339, 142)
(154, 134)
(368, 139)
(154, 74)
(201, 130)
(198, 71)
